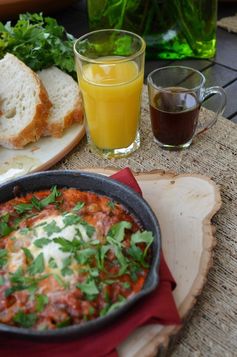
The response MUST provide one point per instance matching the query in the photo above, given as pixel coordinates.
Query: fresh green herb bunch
(39, 42)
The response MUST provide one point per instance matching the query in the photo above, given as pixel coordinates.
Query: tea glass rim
(120, 60)
(164, 89)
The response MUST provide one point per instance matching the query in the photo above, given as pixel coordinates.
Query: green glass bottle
(172, 29)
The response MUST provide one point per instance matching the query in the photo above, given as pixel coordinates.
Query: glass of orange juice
(110, 69)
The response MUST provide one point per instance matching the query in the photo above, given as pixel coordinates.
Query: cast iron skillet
(101, 185)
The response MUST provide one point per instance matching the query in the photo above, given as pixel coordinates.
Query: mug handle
(208, 92)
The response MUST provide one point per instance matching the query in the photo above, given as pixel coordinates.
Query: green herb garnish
(51, 228)
(5, 229)
(78, 206)
(25, 320)
(52, 263)
(89, 287)
(37, 266)
(3, 257)
(29, 256)
(41, 302)
(39, 42)
(39, 243)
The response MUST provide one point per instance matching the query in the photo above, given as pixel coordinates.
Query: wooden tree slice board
(184, 205)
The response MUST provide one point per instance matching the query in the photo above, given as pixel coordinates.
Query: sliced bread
(64, 93)
(24, 104)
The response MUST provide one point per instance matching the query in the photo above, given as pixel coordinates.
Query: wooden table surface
(221, 70)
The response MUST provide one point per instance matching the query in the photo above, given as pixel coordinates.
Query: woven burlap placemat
(228, 23)
(211, 330)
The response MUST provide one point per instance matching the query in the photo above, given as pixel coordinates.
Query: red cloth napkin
(157, 307)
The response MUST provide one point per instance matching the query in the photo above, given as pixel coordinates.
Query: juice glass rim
(101, 61)
(164, 89)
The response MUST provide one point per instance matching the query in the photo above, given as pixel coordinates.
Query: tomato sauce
(68, 256)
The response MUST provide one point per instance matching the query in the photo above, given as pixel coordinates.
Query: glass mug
(110, 69)
(176, 94)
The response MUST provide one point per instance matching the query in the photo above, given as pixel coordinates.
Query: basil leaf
(37, 265)
(39, 243)
(25, 320)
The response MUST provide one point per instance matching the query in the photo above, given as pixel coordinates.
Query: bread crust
(38, 122)
(75, 116)
(35, 129)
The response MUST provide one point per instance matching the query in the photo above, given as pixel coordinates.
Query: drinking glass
(110, 69)
(176, 94)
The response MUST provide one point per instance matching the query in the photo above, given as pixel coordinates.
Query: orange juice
(111, 94)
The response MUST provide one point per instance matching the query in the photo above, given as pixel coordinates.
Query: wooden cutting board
(184, 205)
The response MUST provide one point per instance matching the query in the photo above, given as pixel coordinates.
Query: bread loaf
(24, 104)
(64, 94)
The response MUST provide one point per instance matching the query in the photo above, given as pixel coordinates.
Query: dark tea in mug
(174, 115)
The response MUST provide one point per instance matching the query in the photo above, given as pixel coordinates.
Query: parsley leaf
(39, 42)
(2, 281)
(29, 256)
(64, 323)
(117, 231)
(25, 320)
(78, 206)
(23, 207)
(3, 257)
(67, 245)
(84, 255)
(71, 219)
(142, 237)
(52, 263)
(5, 229)
(41, 302)
(51, 198)
(37, 265)
(59, 280)
(89, 287)
(39, 243)
(111, 204)
(51, 228)
(66, 264)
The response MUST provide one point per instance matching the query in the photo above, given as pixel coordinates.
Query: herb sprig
(39, 42)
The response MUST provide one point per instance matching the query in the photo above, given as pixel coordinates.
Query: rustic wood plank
(231, 108)
(226, 48)
(217, 75)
